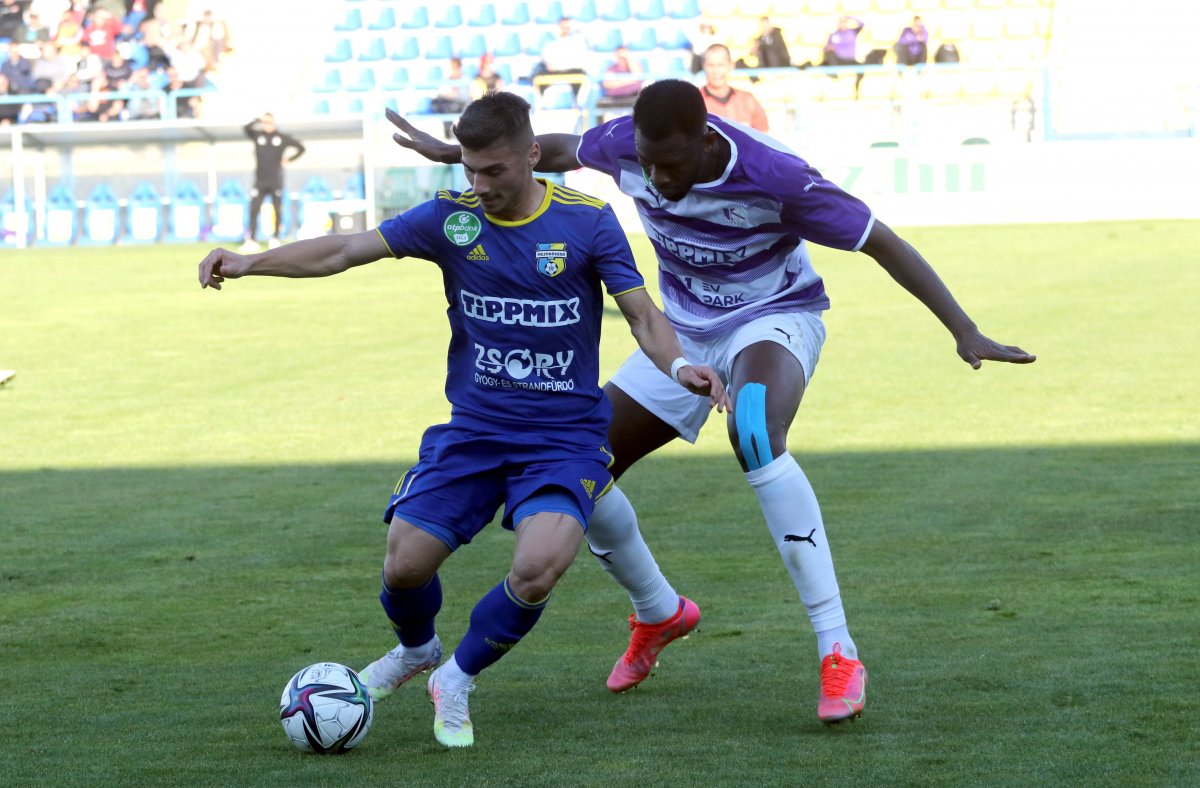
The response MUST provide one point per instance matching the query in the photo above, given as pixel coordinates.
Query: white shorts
(802, 333)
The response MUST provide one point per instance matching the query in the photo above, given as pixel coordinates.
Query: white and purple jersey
(733, 249)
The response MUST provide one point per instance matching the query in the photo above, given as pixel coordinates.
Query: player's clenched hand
(427, 145)
(222, 264)
(975, 348)
(704, 381)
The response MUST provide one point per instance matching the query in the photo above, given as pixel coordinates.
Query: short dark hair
(670, 106)
(495, 117)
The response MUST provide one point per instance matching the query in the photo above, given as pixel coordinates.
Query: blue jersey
(525, 305)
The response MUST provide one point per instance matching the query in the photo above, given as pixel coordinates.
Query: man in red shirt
(723, 99)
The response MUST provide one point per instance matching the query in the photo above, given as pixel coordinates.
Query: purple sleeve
(601, 147)
(408, 234)
(817, 209)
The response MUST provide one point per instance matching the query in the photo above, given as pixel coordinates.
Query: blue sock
(412, 610)
(498, 622)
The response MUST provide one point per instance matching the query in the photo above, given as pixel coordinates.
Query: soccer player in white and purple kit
(523, 262)
(729, 210)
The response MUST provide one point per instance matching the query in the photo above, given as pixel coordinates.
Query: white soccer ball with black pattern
(326, 708)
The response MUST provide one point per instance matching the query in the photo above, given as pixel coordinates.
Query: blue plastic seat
(385, 20)
(614, 10)
(375, 50)
(484, 17)
(350, 22)
(509, 45)
(407, 48)
(417, 19)
(451, 16)
(684, 9)
(645, 41)
(364, 81)
(331, 81)
(442, 48)
(474, 46)
(650, 10)
(399, 80)
(586, 12)
(548, 13)
(609, 41)
(340, 52)
(517, 15)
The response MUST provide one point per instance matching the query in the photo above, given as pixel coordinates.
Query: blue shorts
(464, 475)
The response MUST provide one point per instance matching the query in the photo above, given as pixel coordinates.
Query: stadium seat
(384, 20)
(350, 22)
(399, 80)
(675, 38)
(451, 16)
(683, 9)
(609, 41)
(340, 52)
(548, 13)
(356, 187)
(62, 217)
(375, 50)
(417, 19)
(355, 106)
(645, 41)
(144, 215)
(331, 81)
(535, 39)
(473, 46)
(408, 48)
(441, 49)
(583, 12)
(101, 216)
(364, 80)
(651, 11)
(509, 44)
(185, 214)
(614, 10)
(485, 16)
(517, 15)
(321, 107)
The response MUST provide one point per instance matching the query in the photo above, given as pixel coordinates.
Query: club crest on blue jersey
(551, 258)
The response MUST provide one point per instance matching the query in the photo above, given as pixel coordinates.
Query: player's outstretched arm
(658, 340)
(558, 150)
(909, 269)
(324, 256)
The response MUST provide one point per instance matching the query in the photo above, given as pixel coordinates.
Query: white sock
(794, 519)
(451, 676)
(415, 654)
(615, 540)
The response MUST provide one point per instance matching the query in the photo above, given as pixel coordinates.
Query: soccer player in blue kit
(728, 211)
(523, 262)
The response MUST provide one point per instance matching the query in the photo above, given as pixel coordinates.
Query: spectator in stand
(210, 37)
(18, 71)
(157, 34)
(771, 49)
(841, 48)
(101, 32)
(705, 36)
(69, 36)
(50, 71)
(142, 107)
(913, 46)
(117, 71)
(33, 36)
(569, 53)
(723, 99)
(12, 21)
(189, 63)
(185, 106)
(452, 96)
(9, 113)
(621, 84)
(487, 80)
(88, 66)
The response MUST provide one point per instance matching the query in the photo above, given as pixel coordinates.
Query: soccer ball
(325, 708)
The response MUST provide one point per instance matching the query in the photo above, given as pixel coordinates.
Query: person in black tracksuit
(270, 146)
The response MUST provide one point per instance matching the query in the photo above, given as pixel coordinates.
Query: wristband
(676, 365)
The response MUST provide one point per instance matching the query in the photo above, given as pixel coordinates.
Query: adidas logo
(589, 487)
(477, 253)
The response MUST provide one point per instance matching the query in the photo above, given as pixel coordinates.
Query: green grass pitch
(191, 484)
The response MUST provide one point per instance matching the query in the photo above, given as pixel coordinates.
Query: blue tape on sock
(750, 417)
